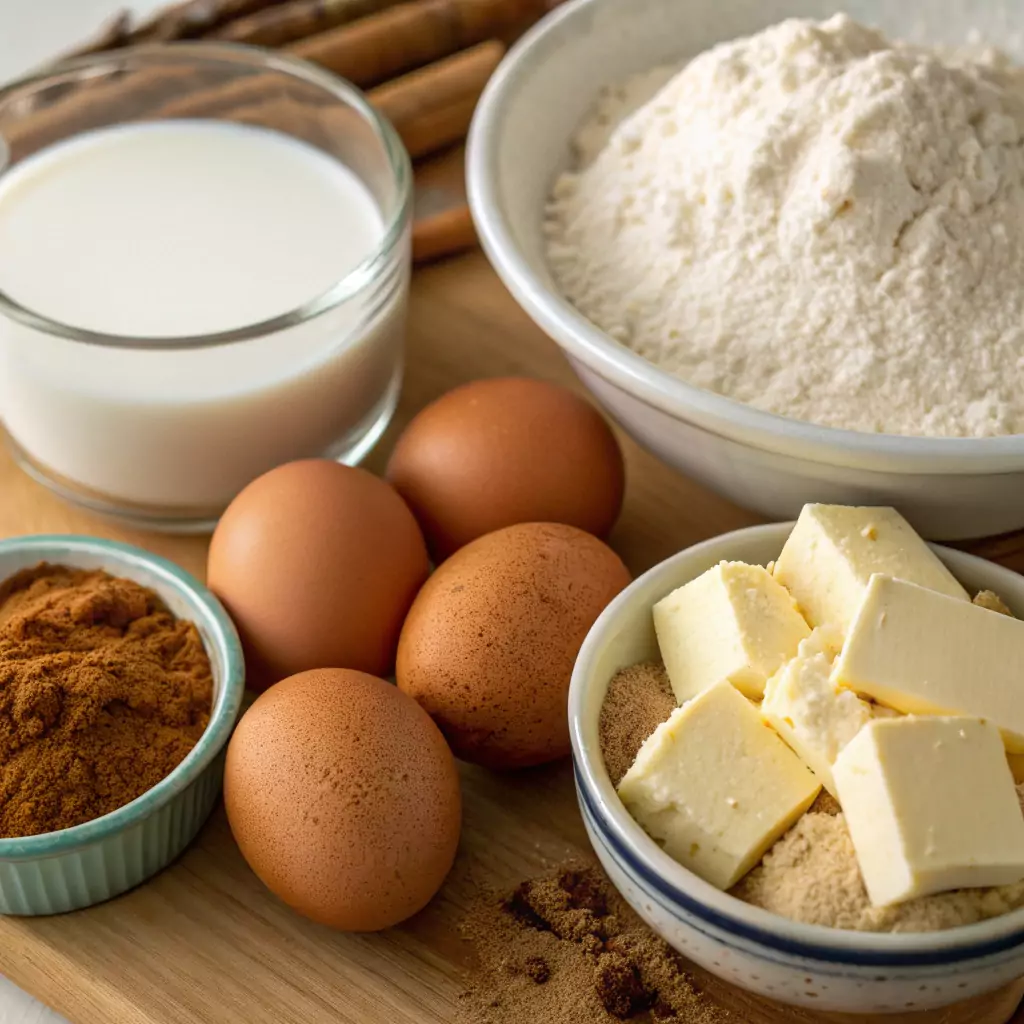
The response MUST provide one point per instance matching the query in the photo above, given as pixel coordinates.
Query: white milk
(184, 228)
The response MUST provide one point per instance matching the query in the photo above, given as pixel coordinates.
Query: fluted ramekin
(77, 867)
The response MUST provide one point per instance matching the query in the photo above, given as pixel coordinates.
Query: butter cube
(716, 787)
(922, 652)
(931, 806)
(804, 706)
(835, 549)
(733, 623)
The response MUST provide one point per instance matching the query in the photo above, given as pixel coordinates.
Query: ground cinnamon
(102, 694)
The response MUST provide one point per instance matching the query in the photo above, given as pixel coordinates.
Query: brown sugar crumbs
(638, 700)
(102, 694)
(567, 949)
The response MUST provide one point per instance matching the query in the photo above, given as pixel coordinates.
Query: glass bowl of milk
(204, 272)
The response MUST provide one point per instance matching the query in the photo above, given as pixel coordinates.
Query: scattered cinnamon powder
(638, 700)
(567, 949)
(102, 694)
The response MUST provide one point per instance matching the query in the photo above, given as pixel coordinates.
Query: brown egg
(489, 644)
(317, 564)
(343, 798)
(510, 450)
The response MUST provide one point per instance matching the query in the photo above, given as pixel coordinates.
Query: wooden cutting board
(204, 942)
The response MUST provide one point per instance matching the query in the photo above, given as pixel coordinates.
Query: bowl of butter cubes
(799, 755)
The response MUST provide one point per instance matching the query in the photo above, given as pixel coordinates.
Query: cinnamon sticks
(309, 24)
(431, 108)
(193, 19)
(443, 234)
(443, 50)
(377, 47)
(113, 33)
(297, 19)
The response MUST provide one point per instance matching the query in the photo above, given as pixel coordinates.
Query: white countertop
(31, 32)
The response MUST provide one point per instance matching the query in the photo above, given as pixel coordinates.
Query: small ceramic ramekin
(810, 965)
(80, 866)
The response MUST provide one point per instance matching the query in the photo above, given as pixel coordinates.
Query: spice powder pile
(102, 694)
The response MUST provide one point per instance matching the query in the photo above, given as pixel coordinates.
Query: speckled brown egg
(509, 450)
(344, 799)
(318, 564)
(490, 642)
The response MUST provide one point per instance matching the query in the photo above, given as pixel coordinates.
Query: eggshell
(490, 642)
(317, 563)
(510, 450)
(344, 799)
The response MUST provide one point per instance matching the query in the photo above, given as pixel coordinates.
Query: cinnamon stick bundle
(113, 33)
(380, 46)
(431, 108)
(443, 234)
(296, 19)
(187, 20)
(194, 18)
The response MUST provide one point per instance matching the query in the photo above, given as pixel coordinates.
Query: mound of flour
(815, 221)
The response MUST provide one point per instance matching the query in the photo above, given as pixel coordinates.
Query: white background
(31, 32)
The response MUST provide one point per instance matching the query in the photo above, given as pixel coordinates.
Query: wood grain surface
(204, 942)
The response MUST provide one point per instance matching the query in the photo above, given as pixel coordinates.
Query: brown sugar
(567, 949)
(639, 699)
(102, 694)
(811, 875)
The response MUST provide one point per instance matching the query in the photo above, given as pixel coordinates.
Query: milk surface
(181, 228)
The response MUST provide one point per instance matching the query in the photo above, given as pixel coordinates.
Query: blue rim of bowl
(674, 897)
(223, 714)
(625, 369)
(826, 945)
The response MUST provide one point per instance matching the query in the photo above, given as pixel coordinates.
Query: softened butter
(922, 652)
(835, 549)
(733, 623)
(931, 806)
(716, 787)
(804, 706)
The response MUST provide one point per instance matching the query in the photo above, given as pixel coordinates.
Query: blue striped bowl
(80, 866)
(809, 965)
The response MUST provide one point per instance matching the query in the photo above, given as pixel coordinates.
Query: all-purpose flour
(814, 221)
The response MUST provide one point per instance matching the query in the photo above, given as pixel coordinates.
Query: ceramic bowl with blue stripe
(810, 965)
(80, 866)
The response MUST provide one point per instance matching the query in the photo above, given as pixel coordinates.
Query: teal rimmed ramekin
(77, 867)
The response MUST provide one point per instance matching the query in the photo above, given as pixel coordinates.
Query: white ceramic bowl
(519, 142)
(823, 968)
(77, 867)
